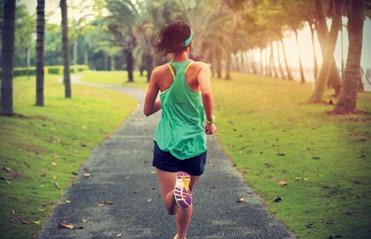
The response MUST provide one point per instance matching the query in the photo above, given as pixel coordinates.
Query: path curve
(121, 172)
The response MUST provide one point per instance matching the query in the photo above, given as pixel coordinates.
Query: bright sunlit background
(305, 44)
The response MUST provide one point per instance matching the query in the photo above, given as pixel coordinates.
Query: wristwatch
(212, 121)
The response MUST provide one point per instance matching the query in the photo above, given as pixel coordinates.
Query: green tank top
(181, 128)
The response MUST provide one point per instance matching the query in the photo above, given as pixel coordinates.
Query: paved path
(121, 172)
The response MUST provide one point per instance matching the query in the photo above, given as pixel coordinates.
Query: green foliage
(56, 70)
(25, 34)
(73, 69)
(115, 78)
(43, 148)
(271, 135)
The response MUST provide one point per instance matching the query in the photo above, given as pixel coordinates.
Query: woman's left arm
(151, 105)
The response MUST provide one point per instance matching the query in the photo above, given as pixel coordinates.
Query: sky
(52, 6)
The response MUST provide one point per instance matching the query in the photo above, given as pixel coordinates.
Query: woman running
(180, 141)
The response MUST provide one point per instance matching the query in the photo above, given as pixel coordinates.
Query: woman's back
(181, 129)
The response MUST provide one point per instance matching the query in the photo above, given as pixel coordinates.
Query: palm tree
(65, 50)
(348, 95)
(7, 52)
(40, 52)
(327, 42)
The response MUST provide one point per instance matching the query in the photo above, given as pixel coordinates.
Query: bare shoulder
(159, 70)
(201, 66)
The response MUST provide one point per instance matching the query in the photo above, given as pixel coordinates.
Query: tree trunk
(129, 64)
(315, 64)
(65, 50)
(238, 66)
(149, 65)
(7, 53)
(327, 47)
(348, 95)
(219, 64)
(279, 61)
(289, 77)
(247, 61)
(112, 63)
(241, 56)
(28, 58)
(86, 57)
(212, 61)
(272, 62)
(266, 63)
(253, 63)
(228, 68)
(75, 52)
(324, 40)
(302, 77)
(261, 61)
(40, 9)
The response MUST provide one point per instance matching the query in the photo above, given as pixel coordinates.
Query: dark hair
(171, 37)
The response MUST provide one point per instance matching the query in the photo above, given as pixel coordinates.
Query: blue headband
(188, 40)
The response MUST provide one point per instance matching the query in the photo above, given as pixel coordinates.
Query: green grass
(115, 77)
(45, 146)
(325, 159)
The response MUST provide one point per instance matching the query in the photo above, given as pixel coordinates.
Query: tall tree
(327, 42)
(124, 12)
(65, 50)
(7, 52)
(348, 95)
(40, 10)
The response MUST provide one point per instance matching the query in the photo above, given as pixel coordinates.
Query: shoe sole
(182, 194)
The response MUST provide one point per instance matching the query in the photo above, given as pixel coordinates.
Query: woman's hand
(210, 128)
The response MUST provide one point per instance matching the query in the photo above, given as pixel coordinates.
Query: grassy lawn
(325, 160)
(44, 147)
(115, 77)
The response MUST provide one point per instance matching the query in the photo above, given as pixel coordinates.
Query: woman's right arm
(151, 105)
(207, 97)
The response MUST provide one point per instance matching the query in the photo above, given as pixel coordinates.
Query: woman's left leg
(183, 215)
(167, 181)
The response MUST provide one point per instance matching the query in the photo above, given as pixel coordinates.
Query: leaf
(25, 221)
(309, 225)
(301, 179)
(7, 169)
(282, 183)
(65, 225)
(105, 202)
(277, 199)
(241, 200)
(56, 184)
